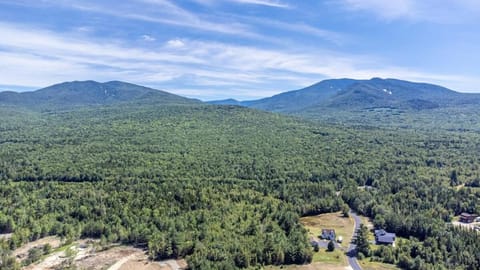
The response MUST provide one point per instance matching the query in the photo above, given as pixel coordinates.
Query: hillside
(378, 103)
(86, 93)
(294, 101)
(348, 94)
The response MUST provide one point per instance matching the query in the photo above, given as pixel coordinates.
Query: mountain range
(347, 94)
(327, 95)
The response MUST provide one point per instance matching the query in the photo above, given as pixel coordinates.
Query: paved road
(351, 252)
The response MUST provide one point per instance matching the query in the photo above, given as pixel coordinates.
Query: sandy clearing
(119, 263)
(48, 263)
(172, 264)
(57, 258)
(114, 258)
(142, 265)
(109, 258)
(22, 252)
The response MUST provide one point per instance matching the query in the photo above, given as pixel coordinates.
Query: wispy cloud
(446, 11)
(34, 57)
(392, 9)
(160, 11)
(269, 3)
(148, 38)
(299, 27)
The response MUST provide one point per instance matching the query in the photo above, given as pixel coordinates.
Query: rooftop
(468, 215)
(384, 237)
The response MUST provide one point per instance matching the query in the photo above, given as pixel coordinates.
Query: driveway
(352, 252)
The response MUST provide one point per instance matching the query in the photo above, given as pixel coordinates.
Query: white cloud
(175, 43)
(148, 38)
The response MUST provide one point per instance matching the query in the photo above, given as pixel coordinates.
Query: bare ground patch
(84, 254)
(108, 259)
(21, 253)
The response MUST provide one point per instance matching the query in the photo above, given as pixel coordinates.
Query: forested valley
(224, 186)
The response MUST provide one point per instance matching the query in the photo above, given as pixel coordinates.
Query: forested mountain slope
(84, 93)
(224, 186)
(347, 94)
(376, 102)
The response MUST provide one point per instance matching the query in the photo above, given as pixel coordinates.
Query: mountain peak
(357, 94)
(85, 93)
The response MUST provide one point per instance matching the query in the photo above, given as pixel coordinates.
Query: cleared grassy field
(342, 226)
(312, 266)
(336, 257)
(368, 265)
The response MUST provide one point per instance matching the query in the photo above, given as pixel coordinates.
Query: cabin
(328, 234)
(385, 238)
(467, 218)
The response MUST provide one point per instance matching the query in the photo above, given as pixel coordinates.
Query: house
(467, 218)
(383, 237)
(328, 234)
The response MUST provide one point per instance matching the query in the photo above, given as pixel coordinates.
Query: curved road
(351, 252)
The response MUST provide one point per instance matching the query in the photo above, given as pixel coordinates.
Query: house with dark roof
(467, 218)
(383, 237)
(328, 234)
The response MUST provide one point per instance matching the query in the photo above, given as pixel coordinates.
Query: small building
(467, 218)
(383, 237)
(328, 234)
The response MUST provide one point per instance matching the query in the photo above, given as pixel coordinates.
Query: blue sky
(245, 49)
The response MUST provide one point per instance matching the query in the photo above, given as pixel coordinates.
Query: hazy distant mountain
(81, 93)
(300, 99)
(229, 101)
(362, 94)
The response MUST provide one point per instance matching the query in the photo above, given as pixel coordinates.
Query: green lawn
(335, 257)
(368, 265)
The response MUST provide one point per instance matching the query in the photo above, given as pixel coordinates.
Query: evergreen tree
(331, 246)
(363, 245)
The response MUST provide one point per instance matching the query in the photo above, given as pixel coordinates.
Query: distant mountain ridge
(329, 95)
(84, 93)
(361, 94)
(229, 101)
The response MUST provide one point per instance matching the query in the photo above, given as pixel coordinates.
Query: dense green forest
(224, 186)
